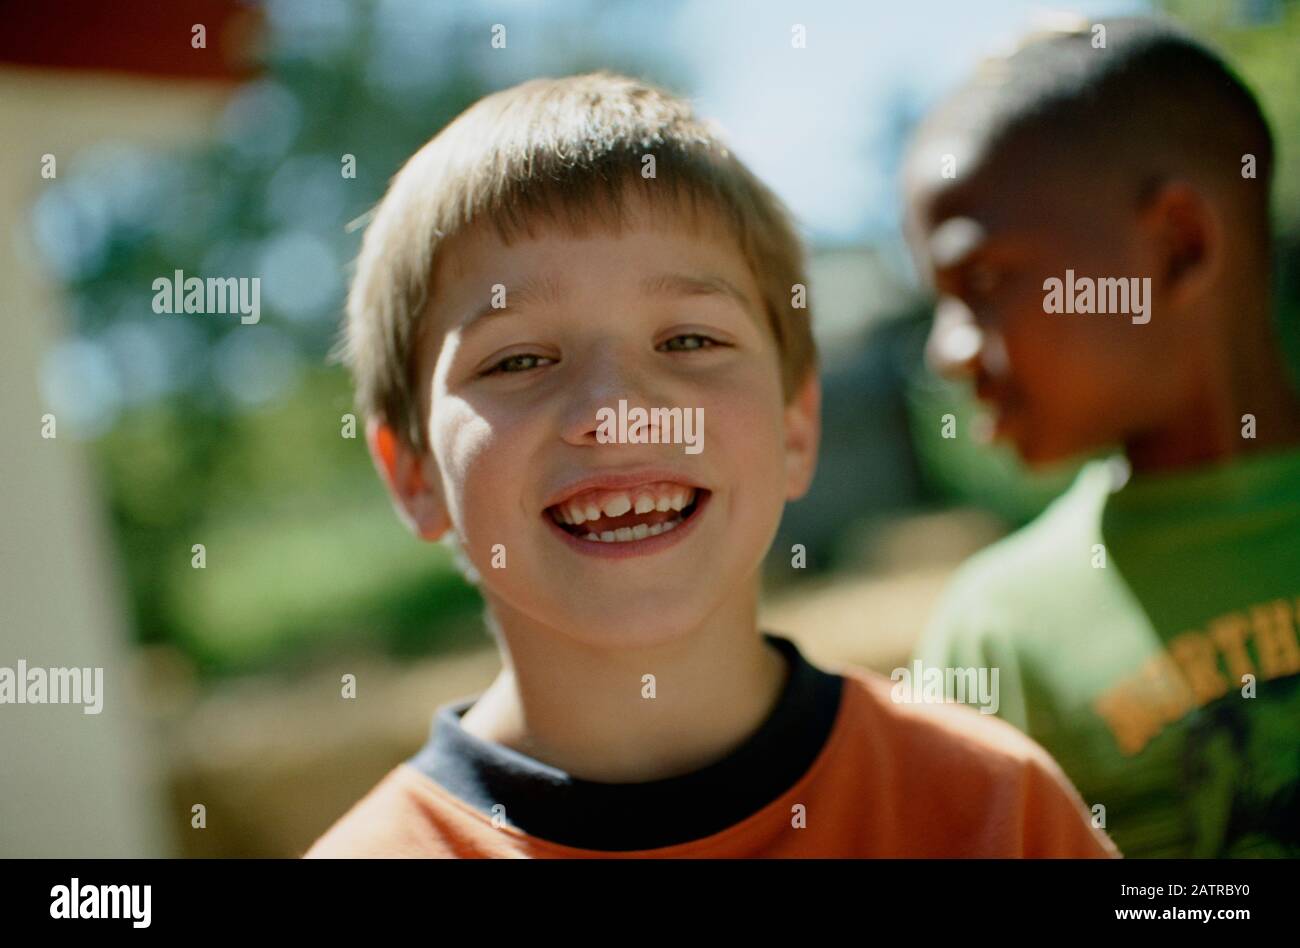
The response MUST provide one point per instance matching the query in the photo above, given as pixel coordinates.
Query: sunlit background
(223, 682)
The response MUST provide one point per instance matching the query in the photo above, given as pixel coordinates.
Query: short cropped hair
(565, 152)
(1153, 99)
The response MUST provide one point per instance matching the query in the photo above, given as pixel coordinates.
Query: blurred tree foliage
(1261, 38)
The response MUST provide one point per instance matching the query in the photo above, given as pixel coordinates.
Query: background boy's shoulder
(1008, 603)
(1054, 545)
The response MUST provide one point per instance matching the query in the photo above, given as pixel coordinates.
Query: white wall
(71, 784)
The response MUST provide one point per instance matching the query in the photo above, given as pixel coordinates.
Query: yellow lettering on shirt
(1273, 627)
(1129, 718)
(1170, 695)
(1195, 654)
(1229, 633)
(1189, 675)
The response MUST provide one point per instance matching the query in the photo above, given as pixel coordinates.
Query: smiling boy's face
(612, 544)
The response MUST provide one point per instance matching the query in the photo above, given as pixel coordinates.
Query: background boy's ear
(803, 431)
(1186, 230)
(411, 481)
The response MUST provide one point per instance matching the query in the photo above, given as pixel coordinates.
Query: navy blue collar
(549, 804)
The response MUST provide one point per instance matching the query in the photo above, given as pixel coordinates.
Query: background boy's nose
(955, 342)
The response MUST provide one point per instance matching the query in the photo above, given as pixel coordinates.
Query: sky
(815, 123)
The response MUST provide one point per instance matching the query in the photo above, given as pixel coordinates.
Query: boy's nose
(607, 380)
(953, 347)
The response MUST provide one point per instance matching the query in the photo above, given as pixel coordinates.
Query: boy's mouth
(625, 515)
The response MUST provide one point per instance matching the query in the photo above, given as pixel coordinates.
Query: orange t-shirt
(890, 780)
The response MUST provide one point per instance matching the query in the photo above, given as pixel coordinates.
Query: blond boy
(563, 246)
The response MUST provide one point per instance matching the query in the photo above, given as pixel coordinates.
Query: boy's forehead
(995, 193)
(536, 233)
(478, 275)
(657, 254)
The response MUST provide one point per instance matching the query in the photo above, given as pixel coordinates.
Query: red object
(132, 36)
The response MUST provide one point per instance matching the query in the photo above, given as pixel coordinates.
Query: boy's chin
(1038, 456)
(633, 622)
(1043, 454)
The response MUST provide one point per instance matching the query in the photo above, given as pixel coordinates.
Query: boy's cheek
(744, 397)
(751, 460)
(465, 437)
(477, 481)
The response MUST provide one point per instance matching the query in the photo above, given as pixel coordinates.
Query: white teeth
(617, 506)
(575, 513)
(627, 534)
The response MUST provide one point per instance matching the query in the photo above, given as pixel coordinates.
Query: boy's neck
(581, 710)
(1241, 372)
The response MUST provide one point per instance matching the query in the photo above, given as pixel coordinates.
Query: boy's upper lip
(616, 480)
(992, 392)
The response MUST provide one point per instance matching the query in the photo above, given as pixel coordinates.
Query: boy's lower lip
(631, 548)
(998, 414)
(1004, 418)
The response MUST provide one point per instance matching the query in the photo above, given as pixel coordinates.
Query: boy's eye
(517, 363)
(982, 279)
(688, 341)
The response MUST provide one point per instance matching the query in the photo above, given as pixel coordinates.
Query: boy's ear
(1186, 233)
(412, 481)
(803, 431)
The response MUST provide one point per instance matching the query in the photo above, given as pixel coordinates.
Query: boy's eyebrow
(535, 290)
(547, 290)
(682, 284)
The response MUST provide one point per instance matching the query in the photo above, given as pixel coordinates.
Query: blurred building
(72, 75)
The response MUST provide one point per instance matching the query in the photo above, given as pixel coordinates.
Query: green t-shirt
(1130, 623)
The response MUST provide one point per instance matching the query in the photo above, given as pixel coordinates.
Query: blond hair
(563, 152)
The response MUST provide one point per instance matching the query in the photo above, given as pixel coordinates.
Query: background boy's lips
(620, 480)
(996, 396)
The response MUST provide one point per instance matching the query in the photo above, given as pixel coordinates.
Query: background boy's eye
(518, 363)
(688, 341)
(982, 279)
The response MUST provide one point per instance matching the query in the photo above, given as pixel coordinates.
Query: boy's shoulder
(404, 816)
(962, 775)
(941, 780)
(914, 731)
(996, 602)
(1048, 544)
